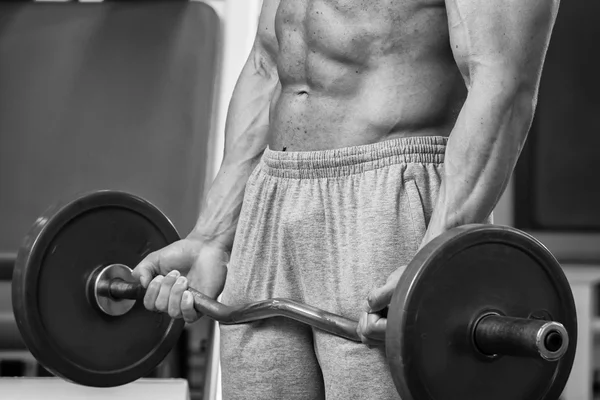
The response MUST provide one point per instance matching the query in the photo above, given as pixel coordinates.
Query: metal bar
(119, 289)
(499, 335)
(493, 334)
(315, 317)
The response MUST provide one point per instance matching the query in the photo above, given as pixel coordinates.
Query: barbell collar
(495, 335)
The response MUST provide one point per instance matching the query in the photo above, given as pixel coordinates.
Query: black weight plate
(458, 276)
(61, 328)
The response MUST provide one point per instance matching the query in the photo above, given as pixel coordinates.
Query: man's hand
(372, 324)
(163, 274)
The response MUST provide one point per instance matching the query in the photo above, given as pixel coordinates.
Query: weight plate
(62, 329)
(455, 278)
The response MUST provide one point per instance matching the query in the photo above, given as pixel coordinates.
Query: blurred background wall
(128, 95)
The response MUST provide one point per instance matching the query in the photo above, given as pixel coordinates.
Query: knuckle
(150, 259)
(167, 281)
(172, 275)
(180, 284)
(156, 282)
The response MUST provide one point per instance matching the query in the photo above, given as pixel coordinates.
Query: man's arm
(245, 135)
(499, 46)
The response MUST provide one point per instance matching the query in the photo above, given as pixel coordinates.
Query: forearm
(219, 214)
(482, 152)
(245, 140)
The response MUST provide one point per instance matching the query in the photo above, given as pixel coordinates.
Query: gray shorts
(323, 228)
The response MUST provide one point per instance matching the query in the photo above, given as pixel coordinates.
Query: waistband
(354, 160)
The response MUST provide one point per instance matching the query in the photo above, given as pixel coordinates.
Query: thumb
(178, 255)
(147, 269)
(381, 297)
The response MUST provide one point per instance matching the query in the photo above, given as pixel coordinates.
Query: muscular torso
(354, 72)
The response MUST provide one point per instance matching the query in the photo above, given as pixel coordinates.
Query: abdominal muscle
(352, 75)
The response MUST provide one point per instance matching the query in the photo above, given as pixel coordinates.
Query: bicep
(501, 37)
(249, 106)
(265, 48)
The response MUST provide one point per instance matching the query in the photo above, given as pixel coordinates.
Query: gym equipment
(482, 311)
(61, 322)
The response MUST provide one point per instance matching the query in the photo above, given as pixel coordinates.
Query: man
(357, 132)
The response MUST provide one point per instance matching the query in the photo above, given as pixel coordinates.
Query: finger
(187, 308)
(152, 293)
(381, 297)
(162, 300)
(364, 339)
(374, 329)
(147, 269)
(175, 297)
(361, 327)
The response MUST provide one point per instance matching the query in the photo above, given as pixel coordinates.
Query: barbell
(481, 312)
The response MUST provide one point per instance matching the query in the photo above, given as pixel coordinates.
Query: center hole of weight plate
(99, 294)
(553, 341)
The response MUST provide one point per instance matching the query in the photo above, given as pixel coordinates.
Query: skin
(326, 74)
